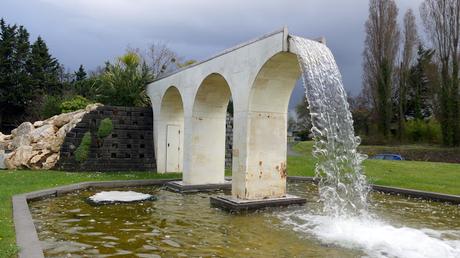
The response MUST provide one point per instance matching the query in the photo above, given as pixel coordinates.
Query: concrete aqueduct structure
(190, 106)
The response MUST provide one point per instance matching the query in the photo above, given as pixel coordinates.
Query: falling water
(342, 185)
(345, 219)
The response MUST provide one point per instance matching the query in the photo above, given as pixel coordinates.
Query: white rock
(51, 161)
(19, 157)
(38, 124)
(24, 128)
(2, 159)
(5, 137)
(46, 131)
(38, 145)
(119, 196)
(38, 156)
(21, 135)
(62, 119)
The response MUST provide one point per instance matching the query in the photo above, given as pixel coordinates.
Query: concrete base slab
(232, 204)
(180, 187)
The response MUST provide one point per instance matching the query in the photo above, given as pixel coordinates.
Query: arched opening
(207, 157)
(172, 126)
(267, 129)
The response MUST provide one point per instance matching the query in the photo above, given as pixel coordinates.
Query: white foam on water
(119, 196)
(374, 237)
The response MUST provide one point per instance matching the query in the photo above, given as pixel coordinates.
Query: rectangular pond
(176, 225)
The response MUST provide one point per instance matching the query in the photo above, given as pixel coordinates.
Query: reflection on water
(185, 225)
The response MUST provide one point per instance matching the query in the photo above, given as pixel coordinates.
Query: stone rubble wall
(37, 145)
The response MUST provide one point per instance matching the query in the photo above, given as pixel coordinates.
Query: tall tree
(441, 19)
(80, 74)
(380, 52)
(410, 42)
(15, 92)
(419, 103)
(44, 69)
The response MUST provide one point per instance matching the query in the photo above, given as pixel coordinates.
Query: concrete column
(261, 169)
(205, 133)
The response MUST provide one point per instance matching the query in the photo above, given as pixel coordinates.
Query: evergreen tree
(26, 72)
(86, 86)
(14, 50)
(80, 75)
(44, 69)
(419, 92)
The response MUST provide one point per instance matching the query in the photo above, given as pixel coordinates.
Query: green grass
(22, 181)
(426, 176)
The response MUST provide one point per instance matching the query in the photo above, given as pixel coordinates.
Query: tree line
(34, 85)
(410, 85)
(410, 90)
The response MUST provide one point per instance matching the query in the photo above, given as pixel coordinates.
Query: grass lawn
(23, 181)
(427, 176)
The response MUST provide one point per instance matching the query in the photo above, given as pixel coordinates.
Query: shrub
(76, 103)
(123, 83)
(433, 132)
(105, 128)
(81, 154)
(51, 106)
(423, 131)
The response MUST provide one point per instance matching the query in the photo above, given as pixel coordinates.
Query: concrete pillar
(260, 171)
(205, 133)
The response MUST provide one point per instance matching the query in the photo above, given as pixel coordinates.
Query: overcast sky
(90, 32)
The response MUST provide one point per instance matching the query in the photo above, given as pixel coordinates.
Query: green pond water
(178, 225)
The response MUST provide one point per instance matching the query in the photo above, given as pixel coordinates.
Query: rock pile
(37, 145)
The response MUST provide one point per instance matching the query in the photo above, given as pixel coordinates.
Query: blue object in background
(388, 157)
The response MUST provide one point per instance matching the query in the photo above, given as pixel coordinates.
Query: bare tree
(161, 59)
(380, 53)
(410, 43)
(441, 19)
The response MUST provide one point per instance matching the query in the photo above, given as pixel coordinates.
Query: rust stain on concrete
(282, 170)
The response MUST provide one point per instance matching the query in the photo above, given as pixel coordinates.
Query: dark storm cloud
(89, 32)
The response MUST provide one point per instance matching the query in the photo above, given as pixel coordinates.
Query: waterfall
(345, 220)
(342, 184)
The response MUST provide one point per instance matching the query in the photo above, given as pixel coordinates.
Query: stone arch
(207, 156)
(171, 123)
(267, 127)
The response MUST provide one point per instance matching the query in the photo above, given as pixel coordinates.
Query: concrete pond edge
(30, 246)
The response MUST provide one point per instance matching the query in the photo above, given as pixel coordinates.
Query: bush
(423, 131)
(76, 103)
(123, 83)
(82, 152)
(51, 106)
(105, 128)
